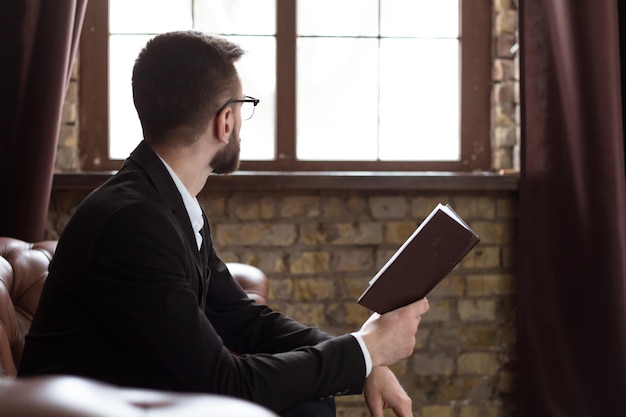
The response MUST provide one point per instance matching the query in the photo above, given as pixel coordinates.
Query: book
(436, 246)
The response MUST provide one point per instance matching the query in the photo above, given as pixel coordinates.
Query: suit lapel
(164, 183)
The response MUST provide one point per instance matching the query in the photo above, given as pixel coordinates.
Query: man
(136, 294)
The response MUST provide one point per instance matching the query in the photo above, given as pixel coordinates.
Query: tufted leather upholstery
(65, 396)
(252, 280)
(23, 271)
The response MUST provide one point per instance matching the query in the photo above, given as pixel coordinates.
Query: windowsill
(333, 180)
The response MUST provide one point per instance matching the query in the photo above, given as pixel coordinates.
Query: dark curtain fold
(39, 39)
(572, 252)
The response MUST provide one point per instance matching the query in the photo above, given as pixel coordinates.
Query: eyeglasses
(248, 104)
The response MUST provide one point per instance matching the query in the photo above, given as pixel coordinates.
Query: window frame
(475, 82)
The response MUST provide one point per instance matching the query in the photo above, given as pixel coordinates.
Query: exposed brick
(269, 261)
(433, 364)
(451, 286)
(506, 22)
(482, 256)
(341, 234)
(310, 263)
(503, 70)
(505, 136)
(281, 289)
(67, 159)
(440, 311)
(465, 387)
(400, 368)
(506, 382)
(474, 207)
(504, 92)
(215, 207)
(356, 260)
(252, 208)
(70, 111)
(502, 5)
(300, 207)
(493, 232)
(356, 315)
(437, 411)
(311, 314)
(504, 43)
(502, 158)
(480, 411)
(357, 207)
(478, 337)
(314, 289)
(333, 208)
(384, 255)
(68, 136)
(482, 363)
(422, 340)
(261, 234)
(504, 115)
(488, 284)
(505, 208)
(397, 232)
(445, 339)
(422, 206)
(476, 310)
(351, 288)
(388, 207)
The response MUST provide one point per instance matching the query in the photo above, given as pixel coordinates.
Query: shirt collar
(191, 204)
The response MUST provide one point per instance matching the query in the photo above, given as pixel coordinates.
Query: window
(373, 86)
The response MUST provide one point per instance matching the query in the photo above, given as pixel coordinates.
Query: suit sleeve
(139, 287)
(267, 331)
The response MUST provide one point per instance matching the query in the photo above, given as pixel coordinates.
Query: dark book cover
(428, 255)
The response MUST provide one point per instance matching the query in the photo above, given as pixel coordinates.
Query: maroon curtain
(39, 40)
(572, 252)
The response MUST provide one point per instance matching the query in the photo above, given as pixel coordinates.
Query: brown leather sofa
(23, 270)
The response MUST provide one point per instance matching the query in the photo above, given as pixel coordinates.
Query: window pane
(241, 17)
(419, 18)
(419, 99)
(149, 16)
(337, 102)
(124, 127)
(257, 70)
(337, 18)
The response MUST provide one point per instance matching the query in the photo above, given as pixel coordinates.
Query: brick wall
(321, 248)
(505, 114)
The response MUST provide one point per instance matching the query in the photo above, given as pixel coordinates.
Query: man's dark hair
(179, 80)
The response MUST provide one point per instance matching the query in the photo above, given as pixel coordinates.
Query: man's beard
(226, 160)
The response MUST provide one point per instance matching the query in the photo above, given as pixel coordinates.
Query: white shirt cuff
(366, 354)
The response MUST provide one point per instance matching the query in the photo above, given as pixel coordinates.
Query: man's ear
(224, 125)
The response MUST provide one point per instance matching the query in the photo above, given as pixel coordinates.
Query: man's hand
(382, 390)
(391, 337)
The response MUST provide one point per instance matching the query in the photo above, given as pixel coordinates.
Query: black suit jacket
(130, 300)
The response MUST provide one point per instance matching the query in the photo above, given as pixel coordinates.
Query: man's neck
(188, 165)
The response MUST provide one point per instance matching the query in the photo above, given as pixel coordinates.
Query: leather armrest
(253, 281)
(65, 396)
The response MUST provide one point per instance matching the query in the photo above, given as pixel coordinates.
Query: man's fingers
(416, 308)
(375, 405)
(402, 410)
(376, 412)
